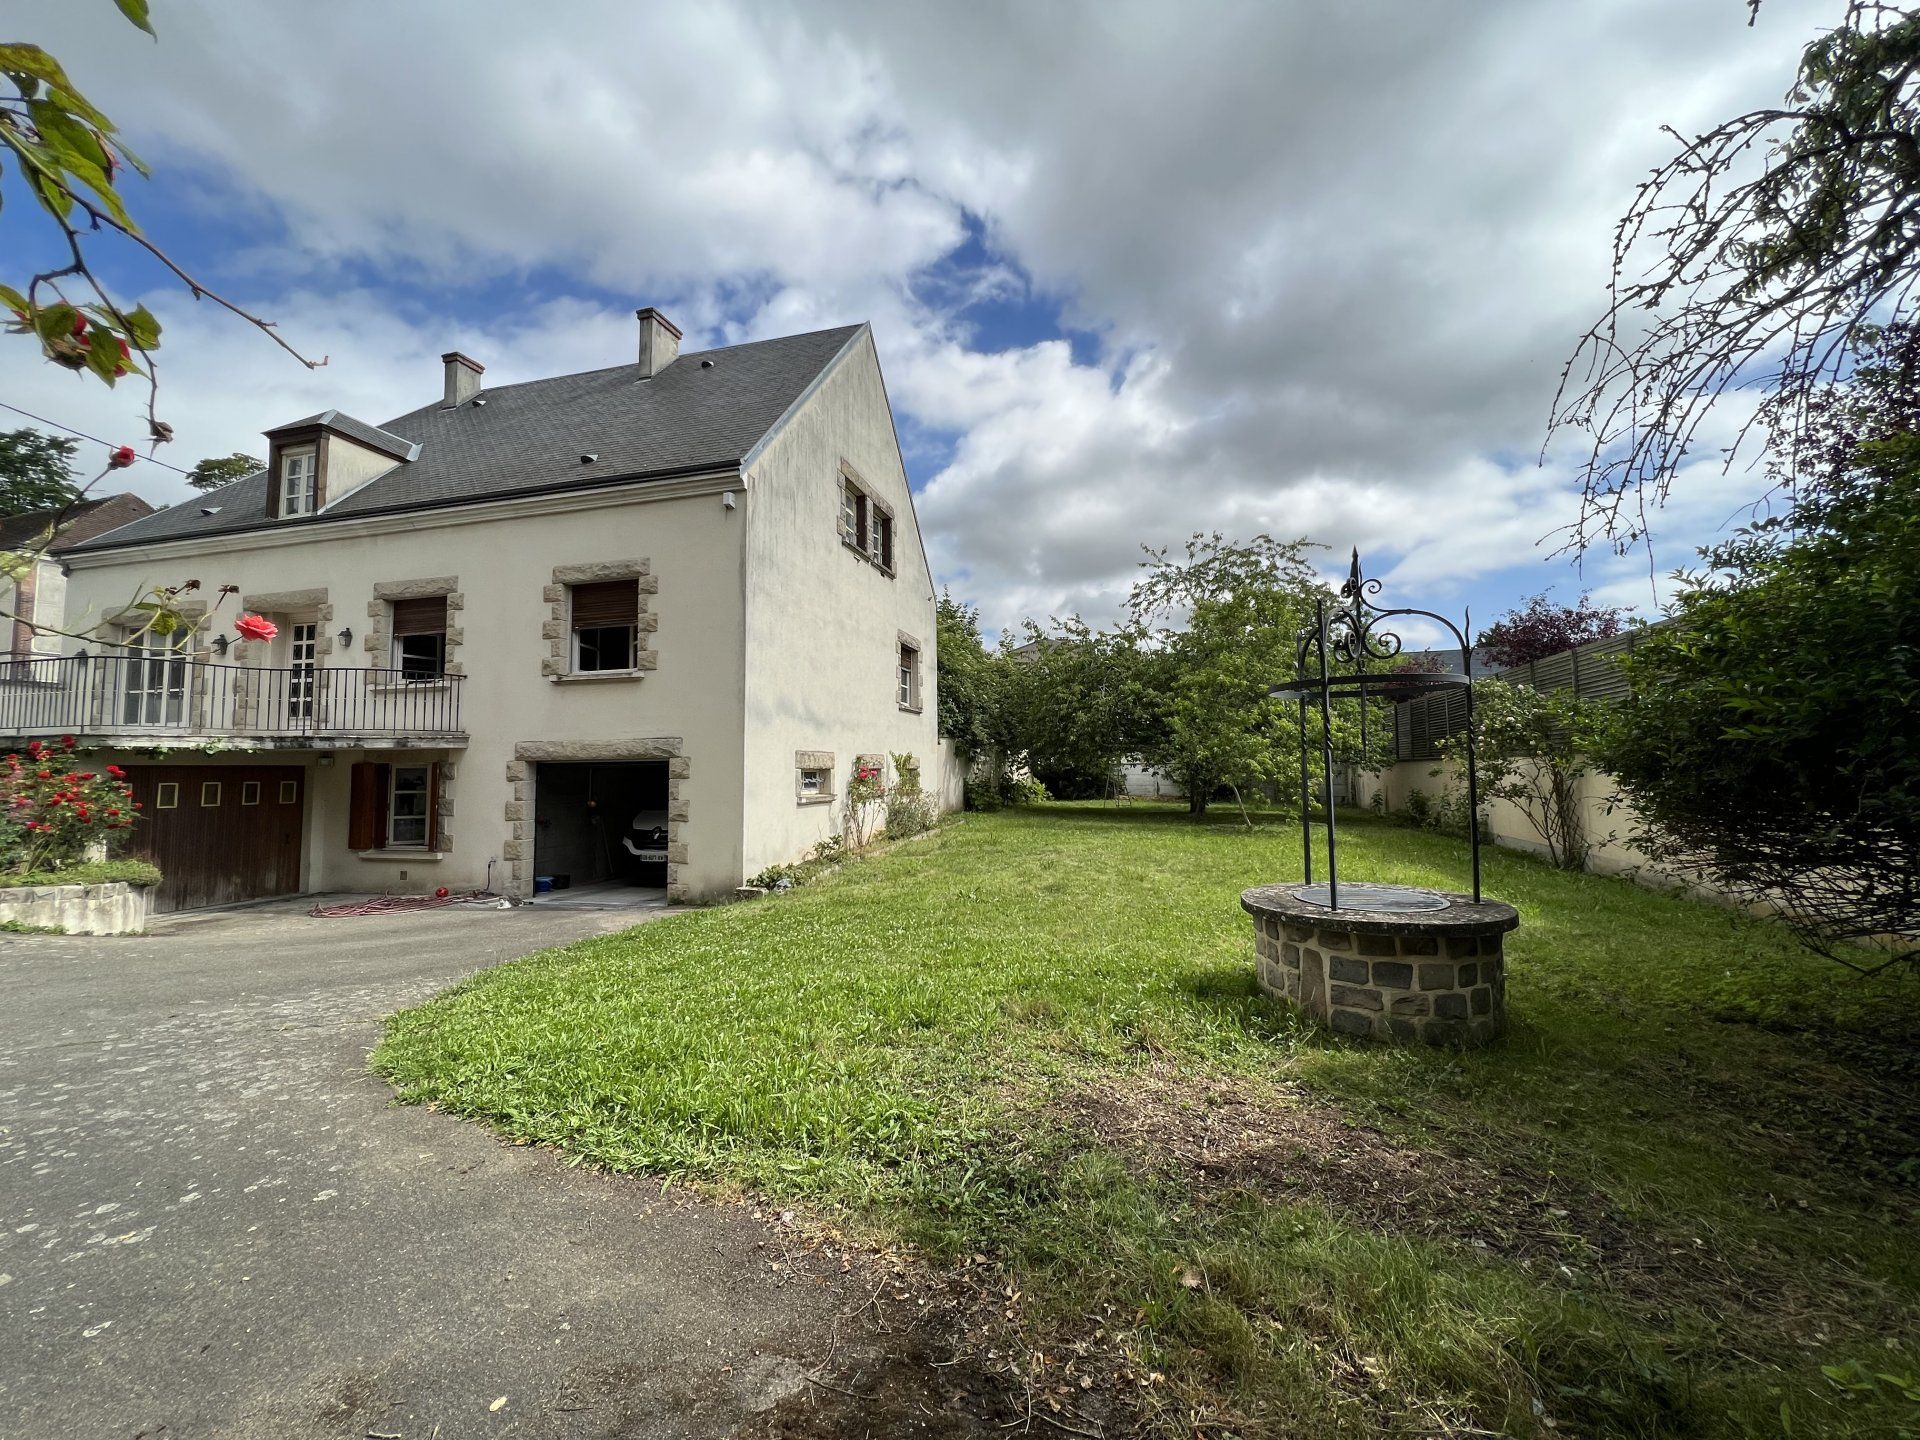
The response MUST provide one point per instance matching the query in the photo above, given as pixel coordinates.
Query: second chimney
(659, 342)
(463, 377)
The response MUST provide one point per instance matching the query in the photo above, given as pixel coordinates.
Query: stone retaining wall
(1438, 977)
(115, 908)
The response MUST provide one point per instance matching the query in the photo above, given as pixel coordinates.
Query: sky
(1135, 270)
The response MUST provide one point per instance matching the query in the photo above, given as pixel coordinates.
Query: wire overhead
(55, 424)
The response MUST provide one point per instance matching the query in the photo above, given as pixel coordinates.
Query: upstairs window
(606, 616)
(907, 677)
(420, 638)
(865, 524)
(853, 515)
(298, 474)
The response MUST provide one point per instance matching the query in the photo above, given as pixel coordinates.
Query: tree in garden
(1074, 703)
(1533, 750)
(1754, 259)
(216, 472)
(1769, 744)
(1224, 620)
(34, 471)
(1540, 628)
(972, 680)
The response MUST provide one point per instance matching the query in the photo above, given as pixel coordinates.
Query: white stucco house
(635, 625)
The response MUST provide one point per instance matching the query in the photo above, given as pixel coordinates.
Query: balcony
(155, 700)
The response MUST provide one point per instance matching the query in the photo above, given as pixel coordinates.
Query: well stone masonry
(1437, 975)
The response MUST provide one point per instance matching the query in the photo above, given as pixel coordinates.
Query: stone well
(1392, 963)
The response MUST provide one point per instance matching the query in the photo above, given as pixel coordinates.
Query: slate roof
(529, 438)
(371, 436)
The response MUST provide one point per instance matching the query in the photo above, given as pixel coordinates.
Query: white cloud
(1333, 256)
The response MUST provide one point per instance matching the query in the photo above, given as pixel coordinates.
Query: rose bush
(55, 807)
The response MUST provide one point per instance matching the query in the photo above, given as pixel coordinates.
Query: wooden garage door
(219, 833)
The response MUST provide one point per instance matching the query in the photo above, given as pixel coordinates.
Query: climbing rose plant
(52, 808)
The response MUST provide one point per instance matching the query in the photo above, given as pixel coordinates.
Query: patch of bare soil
(1218, 1135)
(936, 1354)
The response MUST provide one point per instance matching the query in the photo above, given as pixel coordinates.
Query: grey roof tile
(530, 437)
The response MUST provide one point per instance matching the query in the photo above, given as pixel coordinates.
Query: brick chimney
(463, 377)
(659, 342)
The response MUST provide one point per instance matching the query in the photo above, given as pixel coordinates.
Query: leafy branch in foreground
(1756, 258)
(71, 158)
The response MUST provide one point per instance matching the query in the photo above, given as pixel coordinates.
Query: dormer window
(298, 477)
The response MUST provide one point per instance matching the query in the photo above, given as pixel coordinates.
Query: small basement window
(606, 617)
(420, 638)
(813, 777)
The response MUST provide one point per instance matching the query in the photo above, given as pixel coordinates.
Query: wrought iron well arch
(1350, 633)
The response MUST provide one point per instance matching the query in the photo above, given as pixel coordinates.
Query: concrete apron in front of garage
(215, 1223)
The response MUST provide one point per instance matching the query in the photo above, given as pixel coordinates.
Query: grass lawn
(1678, 1194)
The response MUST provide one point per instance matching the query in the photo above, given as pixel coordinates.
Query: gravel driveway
(213, 1223)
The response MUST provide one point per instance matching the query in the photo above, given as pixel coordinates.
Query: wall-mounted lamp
(324, 758)
(220, 643)
(726, 499)
(81, 655)
(346, 636)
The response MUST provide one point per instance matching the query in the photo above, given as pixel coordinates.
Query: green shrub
(86, 872)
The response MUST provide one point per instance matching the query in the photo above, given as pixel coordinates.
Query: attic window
(297, 480)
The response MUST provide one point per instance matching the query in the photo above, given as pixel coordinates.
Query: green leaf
(13, 299)
(142, 328)
(136, 11)
(54, 322)
(103, 355)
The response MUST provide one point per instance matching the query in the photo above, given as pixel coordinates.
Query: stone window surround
(518, 851)
(379, 641)
(813, 760)
(449, 763)
(290, 602)
(557, 631)
(918, 692)
(850, 476)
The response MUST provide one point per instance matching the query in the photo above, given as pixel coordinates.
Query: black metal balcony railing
(168, 694)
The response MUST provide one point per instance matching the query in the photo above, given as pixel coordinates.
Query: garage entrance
(219, 833)
(601, 824)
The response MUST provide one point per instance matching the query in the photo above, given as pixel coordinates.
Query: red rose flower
(256, 627)
(116, 772)
(121, 458)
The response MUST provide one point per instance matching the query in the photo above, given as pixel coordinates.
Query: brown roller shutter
(608, 602)
(420, 617)
(367, 807)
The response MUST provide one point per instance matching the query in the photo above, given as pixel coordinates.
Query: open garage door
(601, 824)
(219, 833)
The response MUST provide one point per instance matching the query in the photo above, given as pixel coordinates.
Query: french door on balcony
(153, 682)
(301, 654)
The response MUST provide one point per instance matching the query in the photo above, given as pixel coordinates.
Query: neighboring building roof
(83, 521)
(528, 438)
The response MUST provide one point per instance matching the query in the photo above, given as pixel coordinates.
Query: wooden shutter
(420, 617)
(433, 806)
(606, 602)
(367, 806)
